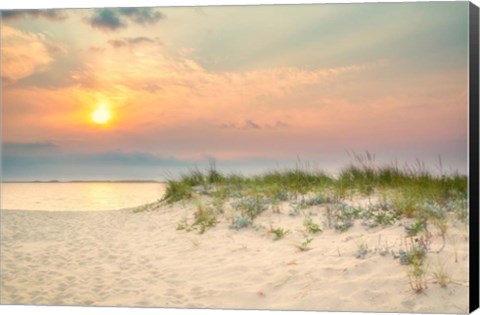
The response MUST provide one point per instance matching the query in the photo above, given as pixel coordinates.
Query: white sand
(121, 258)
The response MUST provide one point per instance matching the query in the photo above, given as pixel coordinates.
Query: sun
(101, 115)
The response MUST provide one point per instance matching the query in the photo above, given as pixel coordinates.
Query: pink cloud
(24, 53)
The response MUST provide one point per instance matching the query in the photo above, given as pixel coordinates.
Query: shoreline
(87, 181)
(134, 209)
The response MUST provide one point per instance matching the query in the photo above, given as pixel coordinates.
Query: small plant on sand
(362, 250)
(183, 225)
(341, 216)
(416, 253)
(278, 233)
(205, 218)
(384, 250)
(416, 228)
(417, 274)
(315, 201)
(414, 257)
(441, 276)
(379, 214)
(294, 210)
(303, 247)
(311, 226)
(251, 207)
(239, 222)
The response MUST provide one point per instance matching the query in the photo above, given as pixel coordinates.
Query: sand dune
(121, 258)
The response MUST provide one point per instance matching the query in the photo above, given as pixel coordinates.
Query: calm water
(78, 196)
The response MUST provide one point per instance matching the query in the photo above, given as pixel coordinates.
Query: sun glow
(101, 115)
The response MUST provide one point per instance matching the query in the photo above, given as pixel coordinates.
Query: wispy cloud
(250, 124)
(114, 19)
(52, 15)
(280, 124)
(131, 41)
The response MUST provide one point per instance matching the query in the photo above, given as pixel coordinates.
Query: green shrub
(311, 226)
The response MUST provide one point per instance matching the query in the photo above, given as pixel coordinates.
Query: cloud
(114, 19)
(280, 124)
(227, 126)
(130, 41)
(250, 124)
(52, 15)
(107, 20)
(29, 148)
(16, 63)
(142, 15)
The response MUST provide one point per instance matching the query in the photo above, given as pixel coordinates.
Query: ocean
(79, 196)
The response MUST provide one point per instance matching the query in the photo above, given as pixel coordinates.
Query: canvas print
(282, 157)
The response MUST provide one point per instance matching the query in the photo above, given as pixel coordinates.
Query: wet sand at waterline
(123, 258)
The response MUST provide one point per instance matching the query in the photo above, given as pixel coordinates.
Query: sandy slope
(140, 259)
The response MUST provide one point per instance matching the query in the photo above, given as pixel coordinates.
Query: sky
(254, 88)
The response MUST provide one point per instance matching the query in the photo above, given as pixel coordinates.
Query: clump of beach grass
(441, 275)
(204, 218)
(414, 259)
(417, 274)
(278, 233)
(251, 207)
(341, 216)
(311, 226)
(177, 190)
(414, 255)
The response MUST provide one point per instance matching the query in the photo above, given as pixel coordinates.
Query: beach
(144, 259)
(309, 157)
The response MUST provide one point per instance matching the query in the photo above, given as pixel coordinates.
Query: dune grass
(408, 192)
(425, 201)
(407, 186)
(411, 192)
